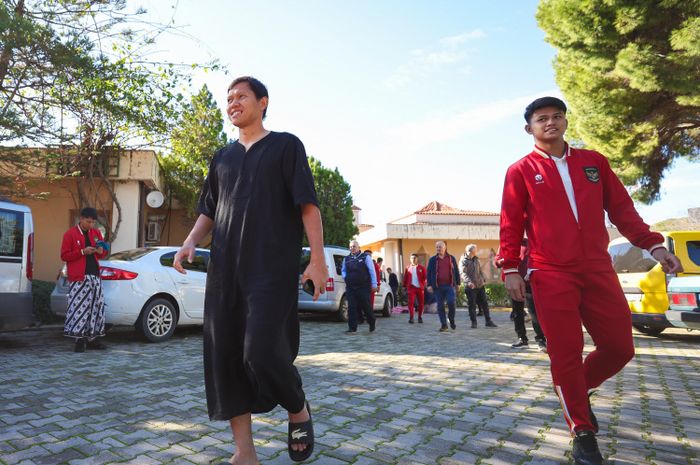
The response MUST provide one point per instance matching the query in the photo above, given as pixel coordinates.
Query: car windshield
(131, 255)
(627, 258)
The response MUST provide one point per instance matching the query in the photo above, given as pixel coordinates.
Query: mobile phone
(309, 287)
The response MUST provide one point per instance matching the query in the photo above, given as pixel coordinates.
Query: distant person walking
(393, 284)
(359, 274)
(414, 280)
(518, 306)
(443, 278)
(81, 248)
(474, 281)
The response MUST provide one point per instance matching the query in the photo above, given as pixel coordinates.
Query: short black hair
(543, 102)
(256, 86)
(380, 260)
(88, 212)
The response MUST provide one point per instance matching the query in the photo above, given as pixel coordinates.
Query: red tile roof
(437, 208)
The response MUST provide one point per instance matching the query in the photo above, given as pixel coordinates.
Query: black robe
(251, 325)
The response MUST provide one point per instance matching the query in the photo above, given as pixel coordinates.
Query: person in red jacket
(414, 279)
(81, 248)
(559, 195)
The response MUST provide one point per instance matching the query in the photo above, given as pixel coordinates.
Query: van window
(694, 251)
(11, 233)
(338, 259)
(627, 258)
(304, 261)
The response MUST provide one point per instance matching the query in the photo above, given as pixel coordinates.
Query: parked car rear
(16, 265)
(334, 300)
(684, 302)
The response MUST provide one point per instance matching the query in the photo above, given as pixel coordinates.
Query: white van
(16, 265)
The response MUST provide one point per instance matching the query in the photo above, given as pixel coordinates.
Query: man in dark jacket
(393, 284)
(360, 279)
(474, 281)
(443, 278)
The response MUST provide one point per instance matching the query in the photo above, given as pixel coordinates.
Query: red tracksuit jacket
(73, 242)
(408, 278)
(535, 201)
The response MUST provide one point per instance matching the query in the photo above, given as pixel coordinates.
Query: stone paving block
(425, 399)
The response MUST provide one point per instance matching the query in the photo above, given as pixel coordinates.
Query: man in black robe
(257, 200)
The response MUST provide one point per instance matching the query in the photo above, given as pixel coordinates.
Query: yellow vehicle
(644, 282)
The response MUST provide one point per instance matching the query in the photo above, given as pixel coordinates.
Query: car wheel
(388, 305)
(648, 330)
(343, 309)
(158, 320)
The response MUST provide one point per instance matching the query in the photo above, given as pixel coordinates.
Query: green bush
(497, 295)
(461, 297)
(41, 293)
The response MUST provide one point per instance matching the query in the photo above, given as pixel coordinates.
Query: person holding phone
(81, 248)
(257, 201)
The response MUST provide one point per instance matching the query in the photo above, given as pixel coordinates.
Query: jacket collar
(544, 154)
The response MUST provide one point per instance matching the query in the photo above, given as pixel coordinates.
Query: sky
(412, 101)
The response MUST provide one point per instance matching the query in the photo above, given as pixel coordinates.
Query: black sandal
(301, 433)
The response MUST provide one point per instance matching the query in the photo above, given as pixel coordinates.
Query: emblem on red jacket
(592, 173)
(539, 179)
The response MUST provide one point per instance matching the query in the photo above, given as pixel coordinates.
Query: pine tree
(630, 73)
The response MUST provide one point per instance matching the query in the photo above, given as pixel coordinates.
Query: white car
(142, 289)
(334, 300)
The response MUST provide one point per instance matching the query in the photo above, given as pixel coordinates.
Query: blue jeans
(442, 293)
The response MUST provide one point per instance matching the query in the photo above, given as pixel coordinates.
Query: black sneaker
(520, 343)
(479, 313)
(420, 319)
(586, 450)
(444, 329)
(542, 345)
(491, 324)
(350, 332)
(453, 325)
(80, 344)
(474, 325)
(95, 345)
(372, 326)
(411, 321)
(594, 420)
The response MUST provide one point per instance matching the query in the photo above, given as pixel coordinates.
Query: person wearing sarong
(81, 248)
(257, 199)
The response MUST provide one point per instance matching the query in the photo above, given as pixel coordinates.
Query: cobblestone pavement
(404, 395)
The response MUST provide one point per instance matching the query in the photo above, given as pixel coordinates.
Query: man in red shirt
(443, 279)
(414, 278)
(559, 196)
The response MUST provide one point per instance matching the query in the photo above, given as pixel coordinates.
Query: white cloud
(460, 39)
(422, 61)
(425, 132)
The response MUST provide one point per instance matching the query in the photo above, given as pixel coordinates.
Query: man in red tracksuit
(414, 279)
(559, 196)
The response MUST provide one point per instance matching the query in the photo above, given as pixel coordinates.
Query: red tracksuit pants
(565, 301)
(414, 292)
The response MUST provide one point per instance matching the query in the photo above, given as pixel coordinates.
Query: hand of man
(374, 290)
(89, 250)
(515, 285)
(186, 251)
(100, 250)
(430, 289)
(471, 285)
(318, 273)
(669, 262)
